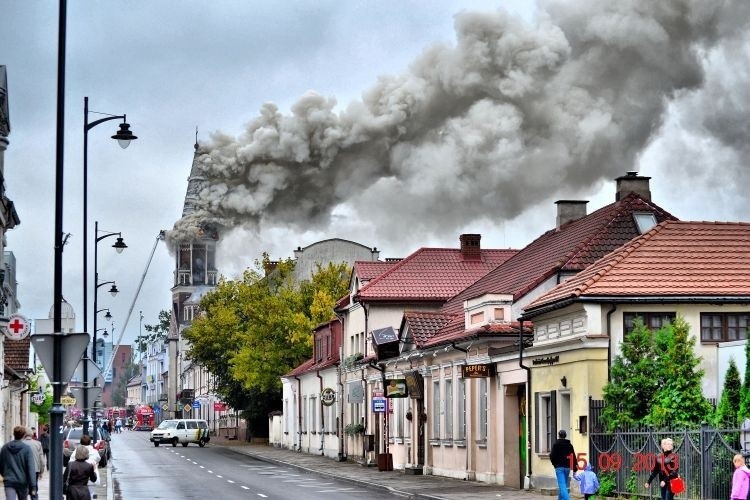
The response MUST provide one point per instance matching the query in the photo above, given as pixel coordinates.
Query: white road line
(244, 487)
(202, 467)
(341, 490)
(210, 472)
(230, 481)
(219, 476)
(262, 495)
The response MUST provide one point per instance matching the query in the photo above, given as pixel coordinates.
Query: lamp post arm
(93, 124)
(101, 285)
(100, 238)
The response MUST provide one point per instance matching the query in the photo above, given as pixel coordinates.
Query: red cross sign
(18, 327)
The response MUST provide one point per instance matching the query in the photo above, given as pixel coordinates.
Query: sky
(398, 125)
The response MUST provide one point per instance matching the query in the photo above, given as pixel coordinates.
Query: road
(141, 471)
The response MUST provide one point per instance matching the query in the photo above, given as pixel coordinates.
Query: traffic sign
(187, 408)
(379, 404)
(165, 406)
(18, 327)
(196, 404)
(157, 409)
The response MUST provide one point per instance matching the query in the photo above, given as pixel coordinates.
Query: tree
(43, 409)
(120, 392)
(253, 330)
(729, 404)
(745, 393)
(679, 401)
(156, 332)
(633, 382)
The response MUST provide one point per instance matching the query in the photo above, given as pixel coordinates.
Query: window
(448, 433)
(304, 413)
(477, 318)
(546, 420)
(318, 349)
(483, 409)
(653, 320)
(461, 410)
(191, 424)
(499, 313)
(724, 327)
(436, 409)
(644, 221)
(313, 414)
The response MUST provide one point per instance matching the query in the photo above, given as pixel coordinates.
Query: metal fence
(704, 457)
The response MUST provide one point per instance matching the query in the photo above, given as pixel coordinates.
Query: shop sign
(37, 398)
(67, 400)
(396, 388)
(328, 396)
(219, 407)
(548, 360)
(477, 371)
(356, 393)
(414, 384)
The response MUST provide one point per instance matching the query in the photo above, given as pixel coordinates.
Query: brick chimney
(631, 182)
(570, 210)
(470, 248)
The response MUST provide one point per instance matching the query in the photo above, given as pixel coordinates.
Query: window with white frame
(313, 414)
(436, 409)
(483, 409)
(545, 420)
(448, 386)
(304, 414)
(461, 409)
(407, 425)
(286, 415)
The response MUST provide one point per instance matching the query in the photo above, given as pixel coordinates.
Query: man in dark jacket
(563, 458)
(17, 467)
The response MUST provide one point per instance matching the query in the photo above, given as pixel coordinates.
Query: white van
(181, 430)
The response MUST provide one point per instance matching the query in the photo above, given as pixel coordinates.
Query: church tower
(195, 274)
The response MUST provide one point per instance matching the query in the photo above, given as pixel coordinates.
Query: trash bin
(385, 462)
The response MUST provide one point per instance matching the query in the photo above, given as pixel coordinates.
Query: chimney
(631, 182)
(570, 210)
(470, 248)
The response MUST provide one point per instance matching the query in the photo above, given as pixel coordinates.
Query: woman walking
(77, 475)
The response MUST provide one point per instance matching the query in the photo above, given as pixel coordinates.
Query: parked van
(181, 430)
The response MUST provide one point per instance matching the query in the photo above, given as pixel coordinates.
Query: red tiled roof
(303, 368)
(17, 354)
(423, 324)
(431, 274)
(367, 270)
(571, 248)
(674, 259)
(489, 329)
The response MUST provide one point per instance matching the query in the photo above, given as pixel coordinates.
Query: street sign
(93, 371)
(18, 327)
(157, 409)
(72, 347)
(196, 404)
(379, 404)
(165, 407)
(187, 408)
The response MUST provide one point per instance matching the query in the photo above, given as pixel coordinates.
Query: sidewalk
(410, 486)
(105, 491)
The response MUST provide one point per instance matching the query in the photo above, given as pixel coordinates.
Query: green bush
(607, 484)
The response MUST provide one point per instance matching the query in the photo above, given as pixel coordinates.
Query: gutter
(340, 427)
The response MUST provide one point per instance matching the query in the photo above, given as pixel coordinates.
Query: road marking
(230, 481)
(202, 467)
(262, 495)
(244, 487)
(219, 476)
(210, 472)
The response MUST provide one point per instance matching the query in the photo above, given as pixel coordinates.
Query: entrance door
(420, 432)
(523, 438)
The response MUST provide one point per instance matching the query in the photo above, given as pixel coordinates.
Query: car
(181, 430)
(73, 438)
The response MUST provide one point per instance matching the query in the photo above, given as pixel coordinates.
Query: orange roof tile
(371, 269)
(431, 274)
(674, 259)
(17, 354)
(570, 248)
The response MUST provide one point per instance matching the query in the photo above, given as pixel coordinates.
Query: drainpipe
(341, 398)
(366, 414)
(609, 342)
(322, 416)
(299, 413)
(528, 394)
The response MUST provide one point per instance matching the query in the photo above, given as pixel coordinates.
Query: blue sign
(157, 409)
(196, 404)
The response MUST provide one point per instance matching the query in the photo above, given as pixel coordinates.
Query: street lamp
(123, 137)
(107, 316)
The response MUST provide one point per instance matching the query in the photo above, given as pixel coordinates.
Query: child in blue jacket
(589, 483)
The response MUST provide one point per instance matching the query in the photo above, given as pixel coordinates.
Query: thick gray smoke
(505, 118)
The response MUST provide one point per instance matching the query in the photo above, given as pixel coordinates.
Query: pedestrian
(666, 466)
(588, 481)
(740, 479)
(563, 458)
(118, 425)
(77, 475)
(93, 459)
(36, 447)
(33, 433)
(18, 468)
(44, 439)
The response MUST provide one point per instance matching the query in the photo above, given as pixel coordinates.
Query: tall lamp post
(123, 137)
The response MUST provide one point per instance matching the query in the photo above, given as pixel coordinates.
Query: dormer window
(644, 221)
(499, 314)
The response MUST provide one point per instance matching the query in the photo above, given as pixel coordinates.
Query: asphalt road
(142, 471)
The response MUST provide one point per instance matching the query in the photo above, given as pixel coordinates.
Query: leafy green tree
(120, 392)
(633, 381)
(745, 393)
(253, 330)
(43, 409)
(679, 400)
(729, 404)
(158, 331)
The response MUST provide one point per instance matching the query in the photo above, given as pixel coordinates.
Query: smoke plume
(484, 129)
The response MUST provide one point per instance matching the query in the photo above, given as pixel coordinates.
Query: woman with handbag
(77, 475)
(667, 467)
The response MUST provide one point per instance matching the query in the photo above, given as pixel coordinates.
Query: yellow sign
(67, 400)
(187, 408)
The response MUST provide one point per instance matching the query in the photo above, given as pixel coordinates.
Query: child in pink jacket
(740, 479)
